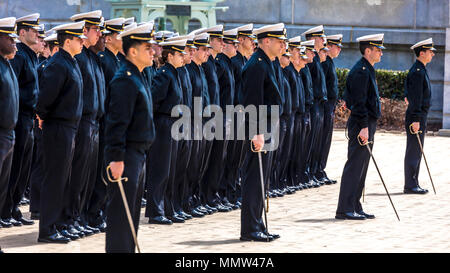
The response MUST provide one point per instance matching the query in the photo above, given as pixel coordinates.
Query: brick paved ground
(305, 220)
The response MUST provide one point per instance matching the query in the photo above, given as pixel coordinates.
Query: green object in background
(391, 83)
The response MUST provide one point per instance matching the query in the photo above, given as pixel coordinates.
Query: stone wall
(404, 22)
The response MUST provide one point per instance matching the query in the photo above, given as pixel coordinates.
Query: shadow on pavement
(19, 240)
(381, 194)
(208, 243)
(317, 220)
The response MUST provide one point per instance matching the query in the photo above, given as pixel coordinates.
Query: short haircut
(63, 37)
(419, 49)
(128, 43)
(26, 28)
(362, 47)
(51, 46)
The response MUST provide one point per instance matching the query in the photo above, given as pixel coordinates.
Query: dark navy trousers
(160, 170)
(58, 150)
(119, 238)
(6, 155)
(327, 135)
(413, 154)
(355, 170)
(21, 166)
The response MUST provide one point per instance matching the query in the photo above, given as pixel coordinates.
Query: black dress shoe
(350, 216)
(143, 203)
(235, 206)
(185, 215)
(25, 221)
(275, 236)
(175, 219)
(93, 229)
(160, 220)
(416, 190)
(86, 232)
(239, 203)
(222, 208)
(69, 235)
(72, 230)
(55, 238)
(35, 215)
(13, 221)
(327, 181)
(5, 224)
(101, 227)
(197, 214)
(204, 210)
(368, 216)
(210, 208)
(257, 236)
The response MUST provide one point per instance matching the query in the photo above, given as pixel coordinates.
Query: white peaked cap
(91, 14)
(217, 28)
(188, 37)
(8, 26)
(143, 29)
(231, 32)
(371, 37)
(72, 27)
(115, 21)
(335, 37)
(296, 39)
(52, 37)
(318, 30)
(129, 21)
(248, 27)
(428, 44)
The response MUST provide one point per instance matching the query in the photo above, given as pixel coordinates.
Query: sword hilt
(411, 130)
(108, 169)
(255, 151)
(365, 143)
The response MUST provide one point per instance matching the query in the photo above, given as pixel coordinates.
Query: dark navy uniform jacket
(60, 90)
(297, 90)
(149, 72)
(101, 86)
(166, 90)
(259, 83)
(226, 80)
(109, 63)
(199, 85)
(121, 57)
(129, 119)
(307, 86)
(9, 99)
(41, 67)
(211, 78)
(237, 63)
(25, 65)
(362, 96)
(279, 74)
(418, 91)
(331, 78)
(41, 59)
(90, 88)
(318, 80)
(186, 86)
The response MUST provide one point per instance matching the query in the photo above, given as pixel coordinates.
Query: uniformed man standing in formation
(363, 99)
(36, 175)
(59, 109)
(129, 133)
(9, 106)
(334, 45)
(418, 95)
(259, 87)
(25, 65)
